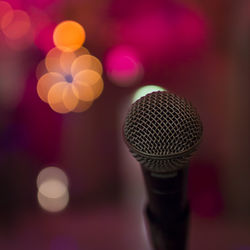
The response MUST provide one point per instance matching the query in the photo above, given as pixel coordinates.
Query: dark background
(197, 49)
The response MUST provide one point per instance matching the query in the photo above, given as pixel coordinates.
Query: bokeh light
(123, 66)
(55, 98)
(69, 81)
(86, 62)
(89, 85)
(53, 204)
(46, 82)
(52, 184)
(81, 51)
(146, 90)
(53, 62)
(69, 36)
(70, 97)
(68, 62)
(15, 24)
(51, 172)
(52, 188)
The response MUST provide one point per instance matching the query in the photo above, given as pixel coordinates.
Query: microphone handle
(167, 210)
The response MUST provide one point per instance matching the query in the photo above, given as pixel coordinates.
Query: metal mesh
(162, 130)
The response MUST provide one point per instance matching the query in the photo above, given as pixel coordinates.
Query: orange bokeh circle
(69, 36)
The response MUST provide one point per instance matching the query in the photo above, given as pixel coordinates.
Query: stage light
(15, 24)
(123, 66)
(52, 184)
(146, 90)
(69, 36)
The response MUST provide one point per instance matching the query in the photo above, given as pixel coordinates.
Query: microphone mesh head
(162, 130)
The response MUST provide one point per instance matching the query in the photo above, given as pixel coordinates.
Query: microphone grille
(162, 130)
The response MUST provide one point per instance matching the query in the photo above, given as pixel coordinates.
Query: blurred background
(67, 181)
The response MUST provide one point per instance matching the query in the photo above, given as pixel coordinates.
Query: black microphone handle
(167, 210)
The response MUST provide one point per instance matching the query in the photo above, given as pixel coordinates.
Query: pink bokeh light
(123, 66)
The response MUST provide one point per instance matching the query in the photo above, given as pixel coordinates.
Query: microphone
(162, 131)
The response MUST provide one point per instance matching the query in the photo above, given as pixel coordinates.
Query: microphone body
(167, 210)
(162, 131)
